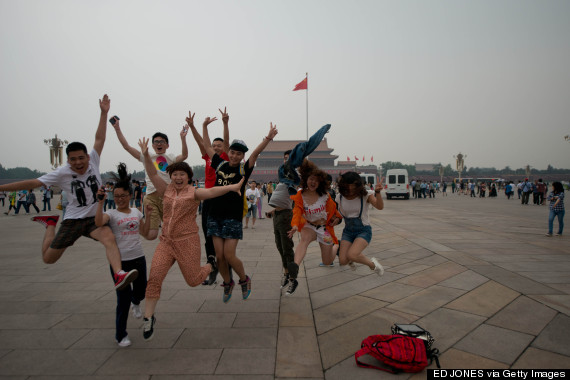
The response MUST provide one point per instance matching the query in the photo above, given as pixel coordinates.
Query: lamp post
(441, 170)
(56, 150)
(460, 163)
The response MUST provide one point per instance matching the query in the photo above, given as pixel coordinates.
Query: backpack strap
(365, 351)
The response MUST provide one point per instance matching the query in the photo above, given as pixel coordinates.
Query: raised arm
(272, 133)
(216, 191)
(184, 154)
(226, 121)
(105, 105)
(376, 199)
(158, 182)
(199, 140)
(132, 150)
(206, 136)
(22, 185)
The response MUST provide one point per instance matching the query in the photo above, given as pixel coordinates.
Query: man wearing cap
(221, 147)
(226, 212)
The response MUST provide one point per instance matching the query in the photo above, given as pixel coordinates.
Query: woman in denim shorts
(353, 203)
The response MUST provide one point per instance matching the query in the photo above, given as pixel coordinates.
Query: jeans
(133, 293)
(47, 204)
(525, 197)
(20, 204)
(551, 216)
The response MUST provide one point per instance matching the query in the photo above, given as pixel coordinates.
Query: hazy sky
(409, 81)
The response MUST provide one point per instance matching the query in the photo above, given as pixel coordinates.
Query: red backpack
(400, 352)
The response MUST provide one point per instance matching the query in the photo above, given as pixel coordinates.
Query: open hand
(144, 145)
(292, 231)
(105, 103)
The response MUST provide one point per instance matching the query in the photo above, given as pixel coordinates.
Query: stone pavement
(479, 274)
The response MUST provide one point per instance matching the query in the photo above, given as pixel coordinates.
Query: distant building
(272, 157)
(426, 167)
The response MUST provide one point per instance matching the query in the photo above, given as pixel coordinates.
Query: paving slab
(490, 342)
(450, 267)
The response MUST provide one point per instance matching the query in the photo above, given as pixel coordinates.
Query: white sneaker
(137, 313)
(125, 342)
(378, 268)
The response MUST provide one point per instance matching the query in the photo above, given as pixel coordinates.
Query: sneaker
(148, 328)
(352, 266)
(559, 235)
(325, 265)
(292, 286)
(125, 342)
(122, 279)
(245, 287)
(378, 268)
(284, 280)
(549, 235)
(228, 288)
(48, 220)
(137, 313)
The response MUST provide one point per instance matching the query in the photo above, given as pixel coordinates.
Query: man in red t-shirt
(221, 147)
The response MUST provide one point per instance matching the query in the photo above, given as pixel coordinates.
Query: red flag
(347, 158)
(371, 158)
(355, 158)
(363, 158)
(302, 85)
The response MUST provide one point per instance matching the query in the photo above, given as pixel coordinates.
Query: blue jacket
(287, 173)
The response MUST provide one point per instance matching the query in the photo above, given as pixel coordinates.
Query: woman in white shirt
(127, 224)
(353, 203)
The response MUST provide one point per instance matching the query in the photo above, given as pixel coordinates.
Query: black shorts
(72, 229)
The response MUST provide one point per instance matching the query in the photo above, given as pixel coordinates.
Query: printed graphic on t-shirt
(161, 163)
(131, 225)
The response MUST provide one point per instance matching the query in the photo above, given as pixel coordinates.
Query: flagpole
(307, 94)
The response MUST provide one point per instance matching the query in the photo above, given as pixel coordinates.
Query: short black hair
(218, 139)
(180, 166)
(74, 147)
(287, 152)
(159, 134)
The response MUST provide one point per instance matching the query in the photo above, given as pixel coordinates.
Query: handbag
(59, 206)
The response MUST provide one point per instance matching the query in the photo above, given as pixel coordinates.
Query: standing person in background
(2, 197)
(127, 224)
(541, 191)
(259, 201)
(252, 197)
(11, 202)
(31, 200)
(269, 191)
(47, 194)
(556, 207)
(137, 195)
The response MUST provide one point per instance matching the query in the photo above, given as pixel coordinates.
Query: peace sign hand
(225, 115)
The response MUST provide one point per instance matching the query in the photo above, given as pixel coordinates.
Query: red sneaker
(122, 279)
(48, 220)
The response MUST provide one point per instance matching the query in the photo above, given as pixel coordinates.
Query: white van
(368, 179)
(397, 183)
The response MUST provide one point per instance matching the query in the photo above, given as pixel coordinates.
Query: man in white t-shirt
(161, 161)
(252, 195)
(79, 218)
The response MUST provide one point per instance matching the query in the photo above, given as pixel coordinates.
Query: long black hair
(123, 180)
(558, 188)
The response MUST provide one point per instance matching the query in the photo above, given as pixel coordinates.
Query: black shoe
(292, 286)
(284, 280)
(148, 328)
(212, 278)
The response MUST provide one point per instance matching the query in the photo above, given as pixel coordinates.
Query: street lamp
(460, 163)
(56, 150)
